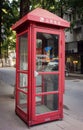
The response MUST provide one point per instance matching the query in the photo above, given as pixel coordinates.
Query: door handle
(36, 74)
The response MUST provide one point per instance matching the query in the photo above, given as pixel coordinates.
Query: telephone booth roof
(42, 16)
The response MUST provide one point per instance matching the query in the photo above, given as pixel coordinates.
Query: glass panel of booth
(23, 81)
(47, 86)
(46, 103)
(47, 52)
(23, 45)
(23, 73)
(23, 101)
(23, 91)
(47, 83)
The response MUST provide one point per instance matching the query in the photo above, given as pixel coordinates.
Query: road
(73, 96)
(7, 75)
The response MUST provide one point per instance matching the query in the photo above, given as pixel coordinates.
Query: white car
(53, 66)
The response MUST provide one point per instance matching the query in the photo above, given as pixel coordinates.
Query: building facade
(74, 44)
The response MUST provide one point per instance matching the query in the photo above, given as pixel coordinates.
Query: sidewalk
(10, 121)
(75, 75)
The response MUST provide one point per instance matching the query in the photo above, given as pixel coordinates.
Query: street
(73, 96)
(7, 75)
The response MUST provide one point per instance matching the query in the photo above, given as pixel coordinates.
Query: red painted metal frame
(59, 113)
(39, 20)
(30, 118)
(42, 16)
(18, 110)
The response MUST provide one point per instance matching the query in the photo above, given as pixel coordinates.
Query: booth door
(47, 83)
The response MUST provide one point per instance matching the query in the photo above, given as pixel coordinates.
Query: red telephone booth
(40, 63)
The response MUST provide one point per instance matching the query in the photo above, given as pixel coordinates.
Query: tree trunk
(24, 7)
(0, 26)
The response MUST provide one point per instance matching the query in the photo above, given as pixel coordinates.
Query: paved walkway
(10, 121)
(75, 75)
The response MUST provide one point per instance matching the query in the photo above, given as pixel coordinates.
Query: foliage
(60, 6)
(50, 5)
(10, 14)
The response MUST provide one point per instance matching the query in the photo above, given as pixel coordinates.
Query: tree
(24, 7)
(1, 6)
(28, 5)
(76, 7)
(9, 15)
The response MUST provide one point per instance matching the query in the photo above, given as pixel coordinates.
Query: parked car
(53, 66)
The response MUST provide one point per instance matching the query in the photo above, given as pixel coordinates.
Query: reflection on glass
(23, 51)
(23, 101)
(46, 83)
(47, 52)
(52, 65)
(46, 103)
(23, 80)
